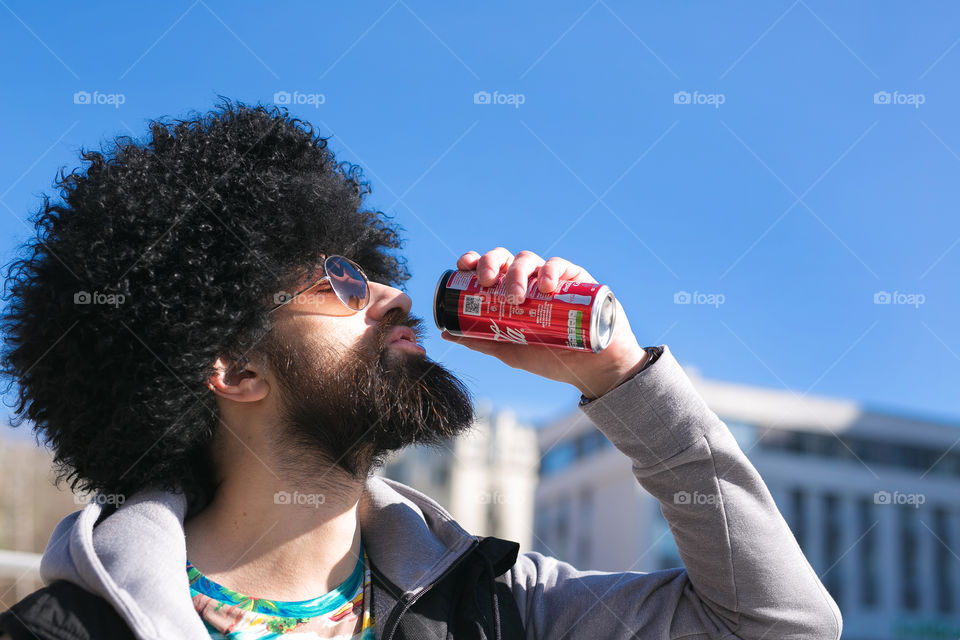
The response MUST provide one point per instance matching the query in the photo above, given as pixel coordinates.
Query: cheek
(341, 337)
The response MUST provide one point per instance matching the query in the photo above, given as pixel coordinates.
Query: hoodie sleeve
(744, 576)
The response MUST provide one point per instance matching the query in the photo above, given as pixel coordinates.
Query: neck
(268, 535)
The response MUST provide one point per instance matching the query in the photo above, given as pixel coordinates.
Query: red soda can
(577, 316)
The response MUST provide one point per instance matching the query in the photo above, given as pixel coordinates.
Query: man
(205, 332)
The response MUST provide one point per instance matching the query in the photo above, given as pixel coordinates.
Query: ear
(240, 383)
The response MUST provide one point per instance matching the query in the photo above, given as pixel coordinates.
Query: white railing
(20, 572)
(14, 564)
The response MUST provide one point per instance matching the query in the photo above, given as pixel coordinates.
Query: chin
(403, 355)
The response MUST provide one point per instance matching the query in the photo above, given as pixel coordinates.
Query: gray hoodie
(744, 575)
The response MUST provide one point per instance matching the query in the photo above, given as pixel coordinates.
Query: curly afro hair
(159, 257)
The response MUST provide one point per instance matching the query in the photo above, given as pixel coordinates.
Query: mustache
(397, 317)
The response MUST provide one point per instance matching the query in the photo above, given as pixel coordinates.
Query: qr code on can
(471, 305)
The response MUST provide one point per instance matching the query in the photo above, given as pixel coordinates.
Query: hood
(136, 557)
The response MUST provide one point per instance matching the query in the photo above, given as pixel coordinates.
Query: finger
(556, 269)
(491, 264)
(488, 347)
(518, 275)
(468, 261)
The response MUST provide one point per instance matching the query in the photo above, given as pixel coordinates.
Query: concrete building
(872, 498)
(30, 507)
(485, 478)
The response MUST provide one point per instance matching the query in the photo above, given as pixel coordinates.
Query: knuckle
(558, 263)
(553, 266)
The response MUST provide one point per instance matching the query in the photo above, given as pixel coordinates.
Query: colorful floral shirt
(343, 613)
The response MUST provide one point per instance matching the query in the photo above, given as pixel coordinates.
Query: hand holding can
(593, 373)
(579, 315)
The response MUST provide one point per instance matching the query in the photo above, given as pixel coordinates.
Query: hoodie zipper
(408, 599)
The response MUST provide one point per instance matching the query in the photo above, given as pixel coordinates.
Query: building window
(852, 448)
(944, 560)
(868, 553)
(591, 442)
(799, 518)
(909, 567)
(562, 531)
(565, 454)
(745, 434)
(832, 543)
(584, 527)
(559, 457)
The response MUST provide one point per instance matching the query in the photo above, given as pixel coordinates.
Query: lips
(401, 333)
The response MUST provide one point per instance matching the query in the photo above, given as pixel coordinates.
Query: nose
(383, 298)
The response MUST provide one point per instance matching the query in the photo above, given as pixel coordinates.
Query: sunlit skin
(247, 542)
(243, 539)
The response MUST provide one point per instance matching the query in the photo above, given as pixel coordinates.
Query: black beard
(349, 410)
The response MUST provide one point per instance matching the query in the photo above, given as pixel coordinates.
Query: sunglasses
(347, 280)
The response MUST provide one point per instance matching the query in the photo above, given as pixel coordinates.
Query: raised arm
(744, 576)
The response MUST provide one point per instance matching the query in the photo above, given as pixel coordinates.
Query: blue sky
(793, 160)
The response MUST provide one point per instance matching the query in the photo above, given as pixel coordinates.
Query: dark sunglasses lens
(347, 282)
